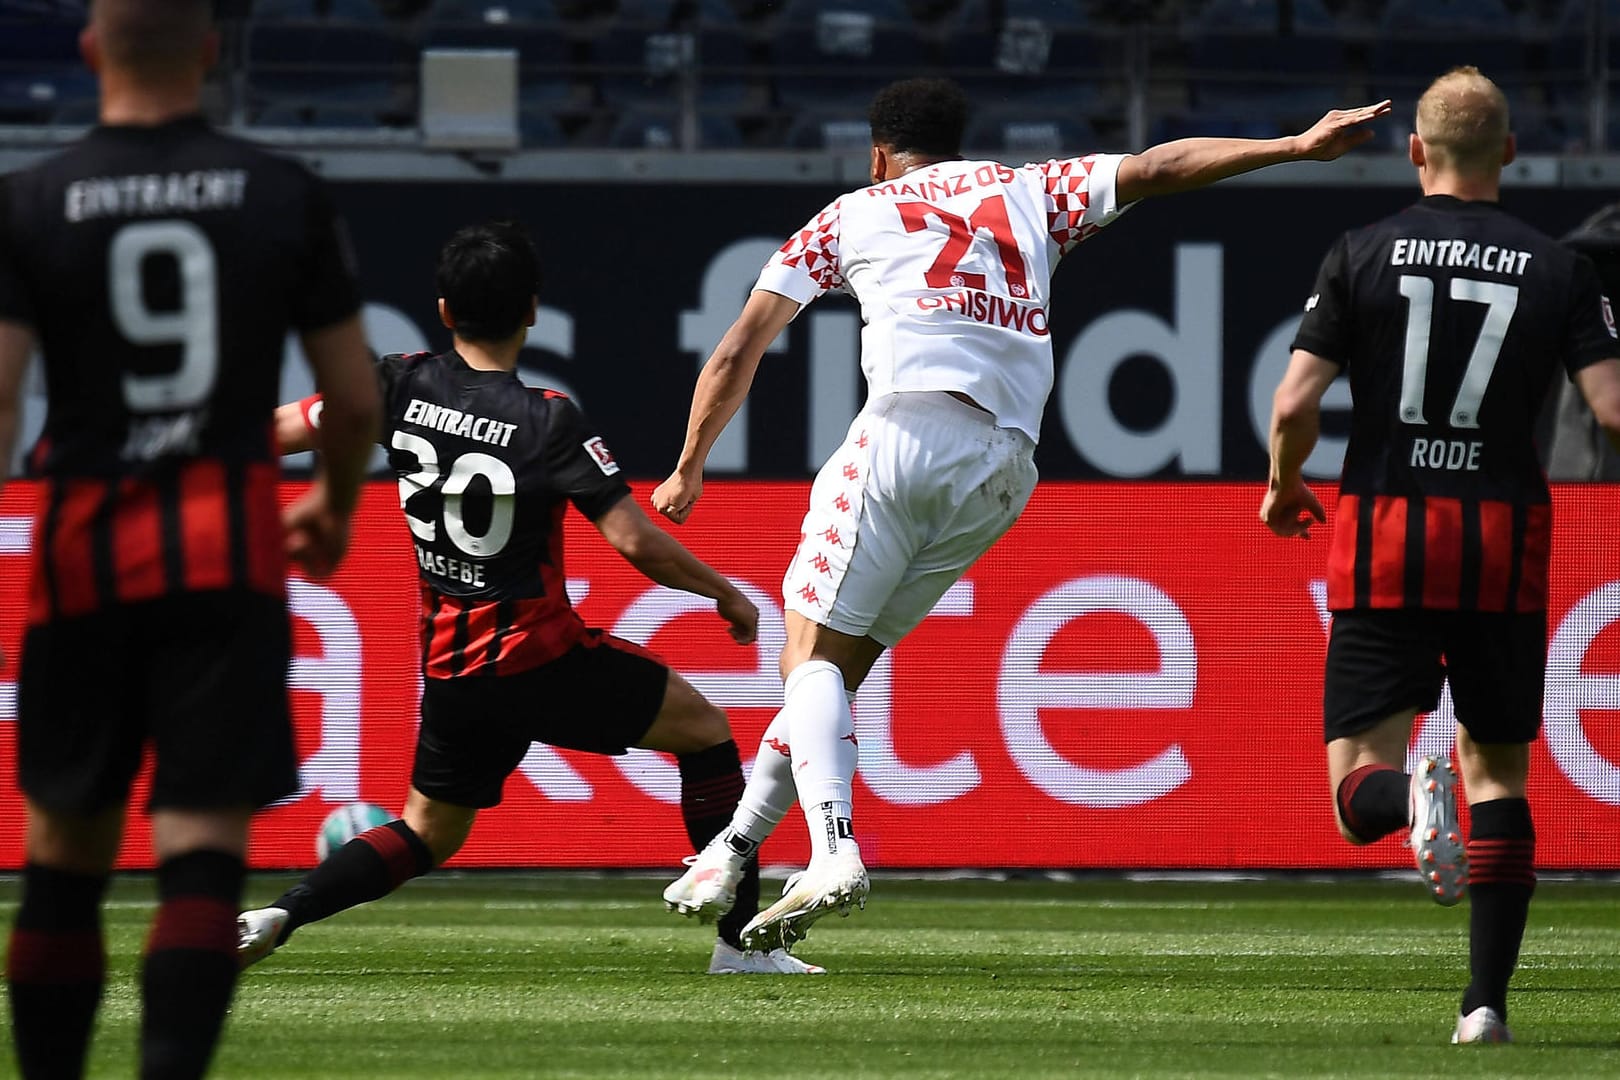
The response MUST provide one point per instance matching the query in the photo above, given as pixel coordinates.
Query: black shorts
(1382, 662)
(602, 696)
(202, 676)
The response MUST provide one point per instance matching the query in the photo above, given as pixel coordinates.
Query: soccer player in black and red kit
(487, 466)
(158, 266)
(1451, 319)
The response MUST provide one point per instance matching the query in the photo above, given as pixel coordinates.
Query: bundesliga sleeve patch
(601, 455)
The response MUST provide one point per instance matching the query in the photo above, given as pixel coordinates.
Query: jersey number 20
(452, 487)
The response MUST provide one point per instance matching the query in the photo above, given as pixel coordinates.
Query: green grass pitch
(560, 976)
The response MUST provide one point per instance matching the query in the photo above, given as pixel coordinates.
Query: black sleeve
(1326, 328)
(1589, 330)
(578, 463)
(330, 289)
(390, 372)
(16, 304)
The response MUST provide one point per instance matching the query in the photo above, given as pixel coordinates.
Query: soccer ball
(347, 822)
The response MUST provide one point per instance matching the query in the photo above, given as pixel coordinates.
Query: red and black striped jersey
(1451, 319)
(161, 269)
(487, 467)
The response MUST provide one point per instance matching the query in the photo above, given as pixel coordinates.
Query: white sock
(769, 794)
(821, 733)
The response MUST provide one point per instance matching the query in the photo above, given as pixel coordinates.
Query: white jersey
(952, 264)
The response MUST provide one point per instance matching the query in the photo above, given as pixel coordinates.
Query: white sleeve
(808, 264)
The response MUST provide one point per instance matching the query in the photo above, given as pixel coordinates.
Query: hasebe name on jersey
(455, 422)
(154, 193)
(467, 573)
(1462, 254)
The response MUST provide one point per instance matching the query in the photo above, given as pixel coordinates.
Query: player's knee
(442, 829)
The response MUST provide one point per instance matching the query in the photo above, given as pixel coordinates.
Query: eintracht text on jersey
(456, 422)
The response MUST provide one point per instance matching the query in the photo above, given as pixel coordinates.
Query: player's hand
(741, 614)
(317, 535)
(1338, 131)
(675, 497)
(1289, 510)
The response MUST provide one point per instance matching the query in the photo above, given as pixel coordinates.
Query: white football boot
(257, 934)
(1436, 839)
(728, 960)
(1481, 1026)
(709, 887)
(834, 883)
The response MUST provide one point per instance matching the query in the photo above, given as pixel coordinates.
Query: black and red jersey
(487, 467)
(161, 269)
(1451, 318)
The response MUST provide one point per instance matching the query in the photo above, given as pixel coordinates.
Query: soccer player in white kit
(951, 261)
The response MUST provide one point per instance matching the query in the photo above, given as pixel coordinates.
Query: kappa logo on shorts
(603, 457)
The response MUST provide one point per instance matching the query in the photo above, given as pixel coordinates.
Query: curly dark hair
(920, 116)
(488, 276)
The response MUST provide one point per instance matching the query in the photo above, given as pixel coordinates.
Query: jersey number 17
(1500, 300)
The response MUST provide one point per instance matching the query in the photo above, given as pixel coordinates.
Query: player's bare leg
(821, 668)
(1502, 879)
(56, 963)
(1373, 796)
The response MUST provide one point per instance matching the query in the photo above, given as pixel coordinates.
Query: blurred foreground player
(158, 266)
(486, 468)
(951, 261)
(1451, 319)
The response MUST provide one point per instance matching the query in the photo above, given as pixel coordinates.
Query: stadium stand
(797, 73)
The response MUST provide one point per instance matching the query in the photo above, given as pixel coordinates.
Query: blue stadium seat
(325, 116)
(1179, 126)
(660, 129)
(798, 12)
(545, 58)
(1031, 137)
(1289, 76)
(494, 12)
(304, 10)
(540, 129)
(840, 56)
(836, 130)
(353, 63)
(637, 65)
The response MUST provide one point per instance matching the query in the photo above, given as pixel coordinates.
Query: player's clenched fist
(675, 497)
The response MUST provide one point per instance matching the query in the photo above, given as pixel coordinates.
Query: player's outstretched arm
(16, 346)
(1599, 384)
(1185, 164)
(1296, 420)
(665, 560)
(721, 387)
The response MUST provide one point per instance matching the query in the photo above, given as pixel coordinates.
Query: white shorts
(921, 487)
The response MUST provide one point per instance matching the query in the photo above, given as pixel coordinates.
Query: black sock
(1373, 801)
(190, 968)
(370, 866)
(1501, 879)
(711, 784)
(55, 967)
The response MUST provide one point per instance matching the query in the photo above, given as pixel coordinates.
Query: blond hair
(1462, 119)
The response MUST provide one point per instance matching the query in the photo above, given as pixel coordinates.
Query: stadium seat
(841, 131)
(840, 56)
(545, 60)
(36, 97)
(540, 129)
(635, 65)
(39, 43)
(660, 129)
(314, 62)
(493, 12)
(1021, 135)
(1294, 75)
(1262, 16)
(305, 10)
